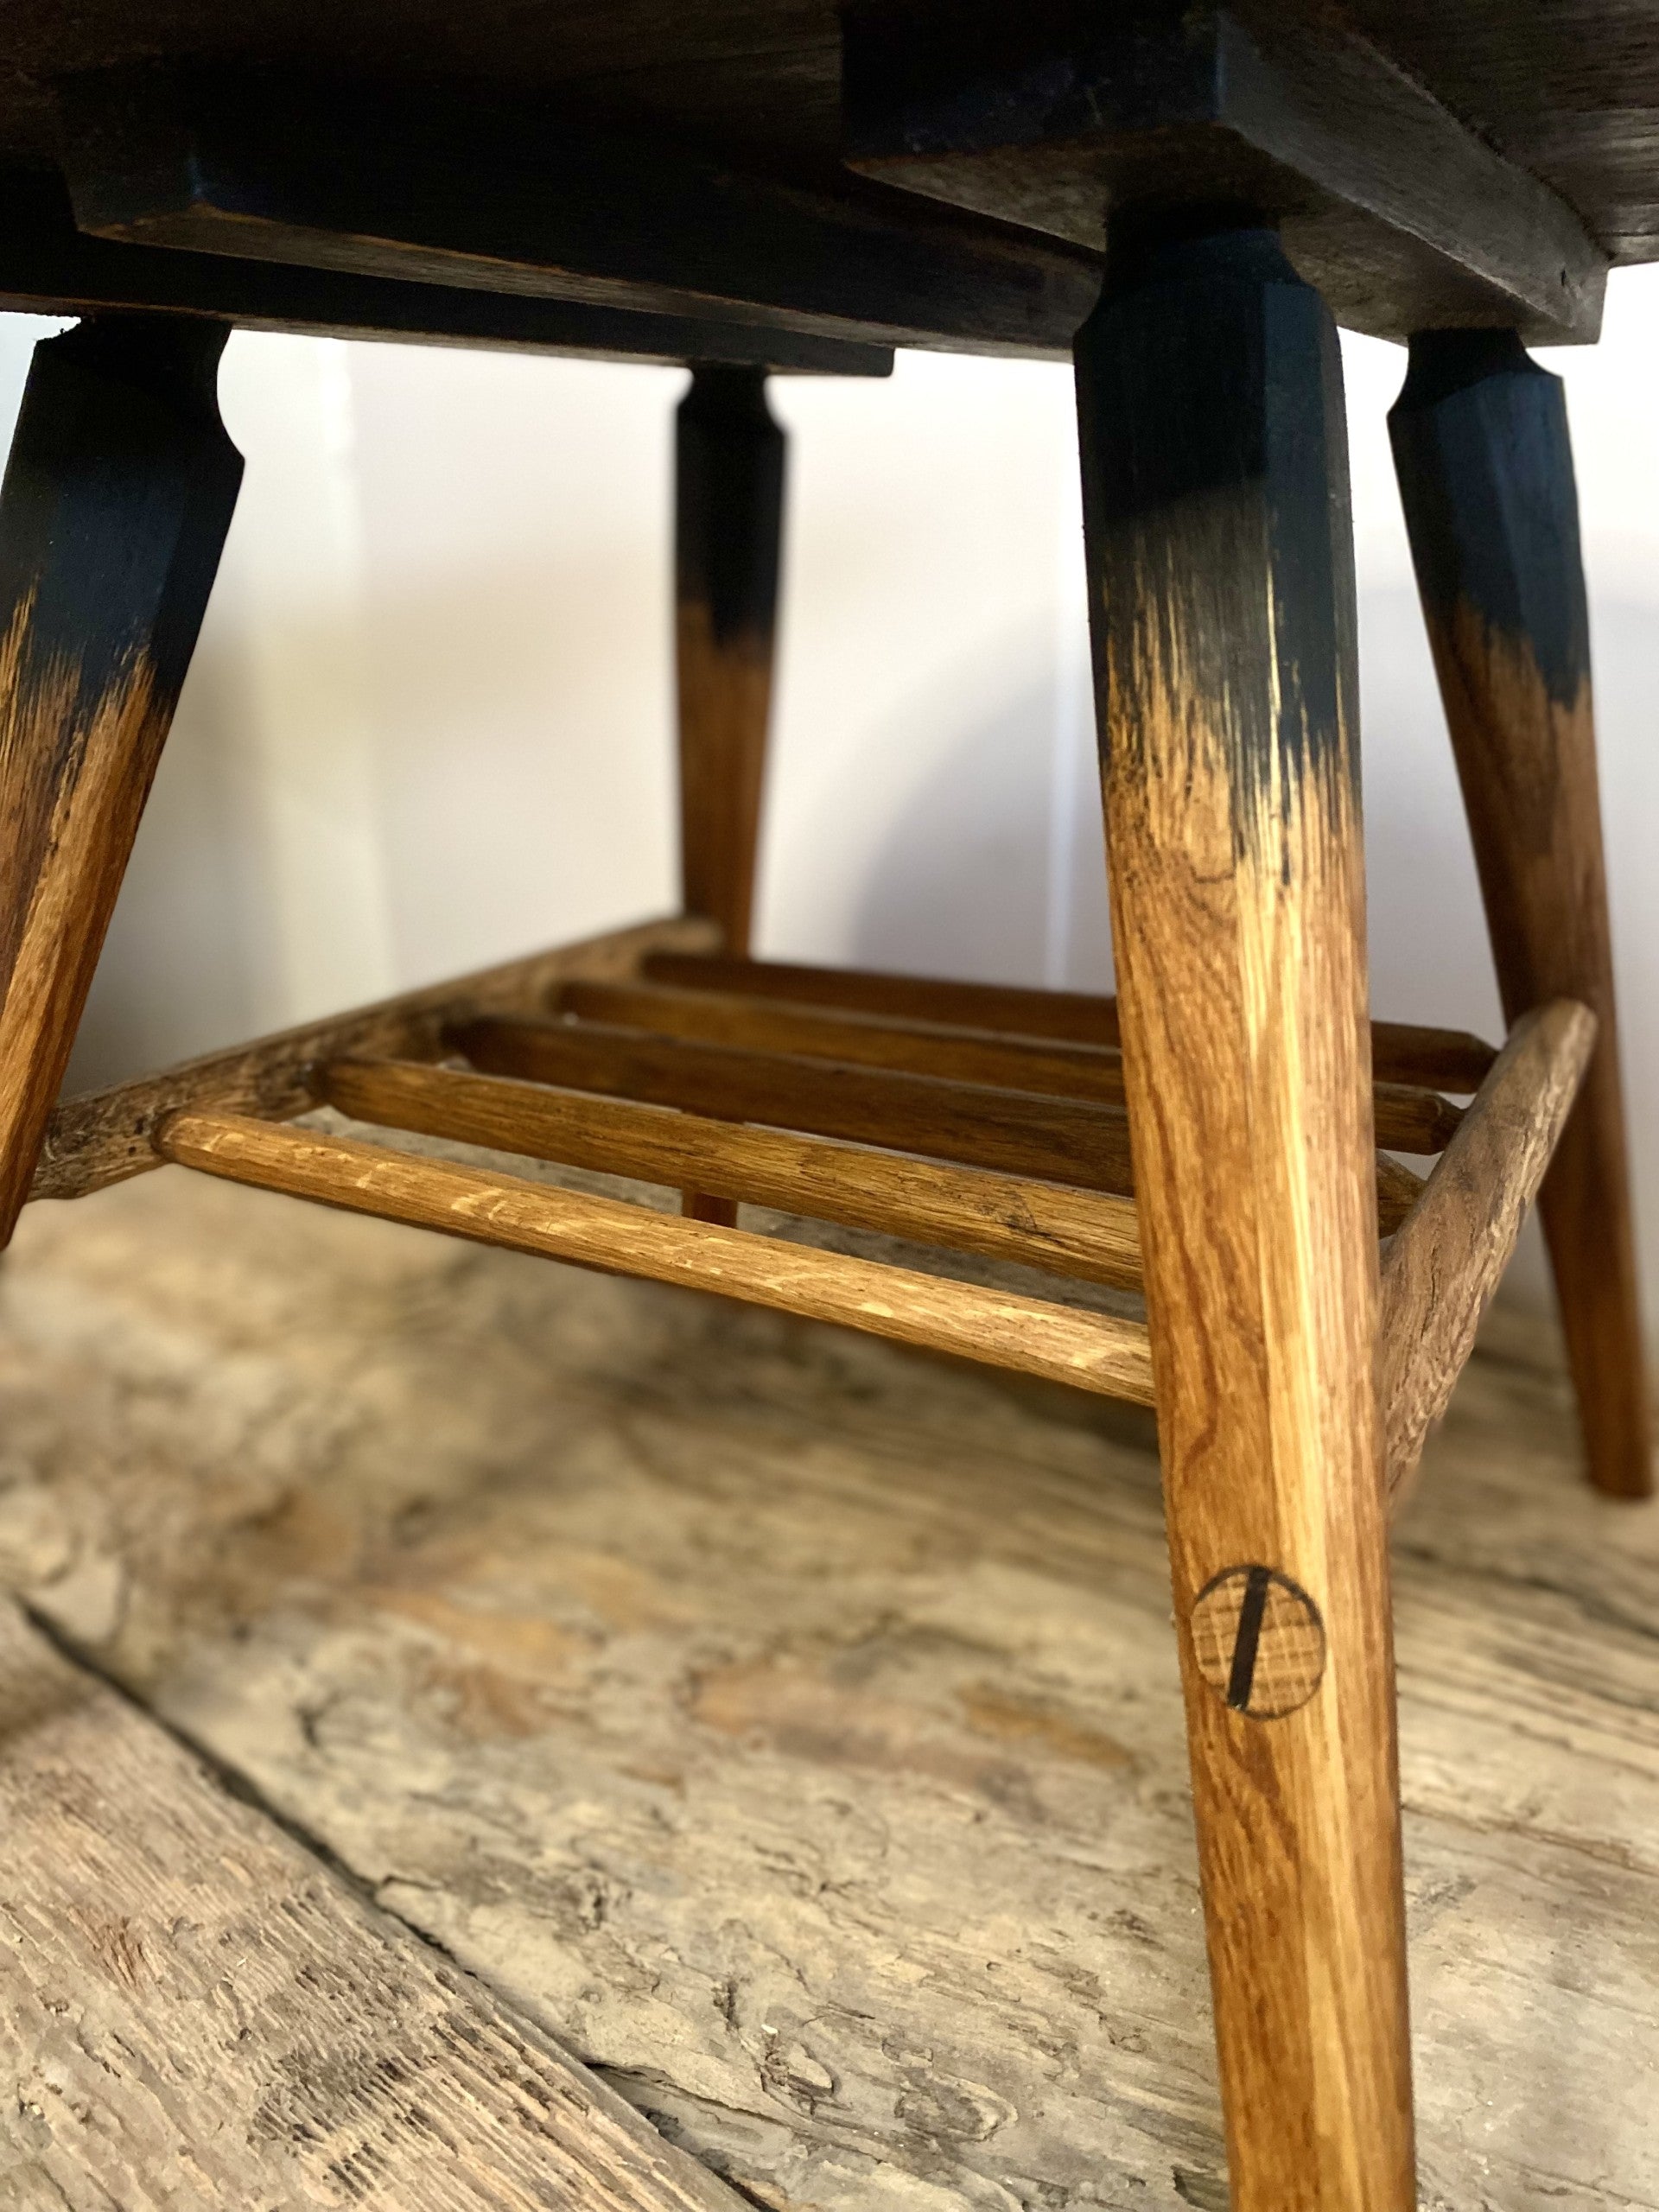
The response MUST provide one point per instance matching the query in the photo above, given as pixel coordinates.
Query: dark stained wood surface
(1569, 88)
(48, 267)
(488, 190)
(1565, 90)
(1059, 117)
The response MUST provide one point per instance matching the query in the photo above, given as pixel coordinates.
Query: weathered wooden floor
(787, 1726)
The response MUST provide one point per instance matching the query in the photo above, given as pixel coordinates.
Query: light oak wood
(790, 1725)
(1448, 1257)
(1485, 469)
(193, 2010)
(118, 495)
(1084, 1234)
(1439, 1059)
(728, 513)
(104, 1137)
(1093, 1351)
(1215, 502)
(1408, 1118)
(1016, 1132)
(729, 461)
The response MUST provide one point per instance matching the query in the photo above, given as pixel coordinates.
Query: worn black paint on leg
(1486, 467)
(729, 497)
(1209, 408)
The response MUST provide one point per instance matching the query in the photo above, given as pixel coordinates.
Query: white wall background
(429, 723)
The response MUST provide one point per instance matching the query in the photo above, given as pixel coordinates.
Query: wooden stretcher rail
(1443, 1266)
(1086, 1235)
(104, 1137)
(1092, 1351)
(1441, 1059)
(1022, 1133)
(1015, 1132)
(1409, 1118)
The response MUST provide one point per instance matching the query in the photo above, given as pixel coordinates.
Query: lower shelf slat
(1402, 1052)
(1090, 1351)
(1086, 1235)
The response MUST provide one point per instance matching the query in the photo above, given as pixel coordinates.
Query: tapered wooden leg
(729, 487)
(116, 501)
(1485, 469)
(729, 523)
(1215, 489)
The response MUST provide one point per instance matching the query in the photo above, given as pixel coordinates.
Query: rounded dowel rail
(1092, 1351)
(1087, 1235)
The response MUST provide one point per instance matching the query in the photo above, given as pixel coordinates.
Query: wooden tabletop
(732, 111)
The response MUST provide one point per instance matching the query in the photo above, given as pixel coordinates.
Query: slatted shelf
(972, 1119)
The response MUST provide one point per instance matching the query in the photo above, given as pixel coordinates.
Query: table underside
(1566, 91)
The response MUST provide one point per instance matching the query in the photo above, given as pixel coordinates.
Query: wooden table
(1186, 204)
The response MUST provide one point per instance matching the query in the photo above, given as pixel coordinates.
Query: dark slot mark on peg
(1242, 1677)
(1259, 1641)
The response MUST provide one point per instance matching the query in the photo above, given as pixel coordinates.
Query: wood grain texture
(1084, 1234)
(116, 498)
(1092, 1352)
(48, 267)
(1440, 1060)
(1485, 469)
(730, 454)
(1566, 89)
(243, 2031)
(1400, 212)
(1221, 577)
(104, 1137)
(1016, 1132)
(1448, 1257)
(790, 1725)
(1408, 1117)
(296, 165)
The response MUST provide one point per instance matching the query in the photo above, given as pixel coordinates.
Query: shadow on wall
(994, 866)
(963, 882)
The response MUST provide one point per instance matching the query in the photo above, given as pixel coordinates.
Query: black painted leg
(117, 499)
(728, 527)
(1485, 469)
